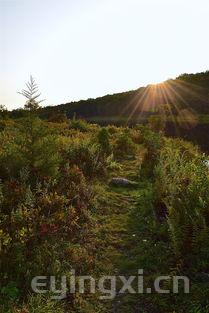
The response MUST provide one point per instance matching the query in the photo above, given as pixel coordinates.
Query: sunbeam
(167, 99)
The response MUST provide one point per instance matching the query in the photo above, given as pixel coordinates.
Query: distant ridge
(189, 91)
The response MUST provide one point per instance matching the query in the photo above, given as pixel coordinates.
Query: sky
(79, 49)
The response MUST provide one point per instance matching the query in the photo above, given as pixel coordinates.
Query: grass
(130, 244)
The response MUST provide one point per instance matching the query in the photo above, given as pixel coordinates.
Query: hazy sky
(79, 49)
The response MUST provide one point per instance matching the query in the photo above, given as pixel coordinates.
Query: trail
(118, 231)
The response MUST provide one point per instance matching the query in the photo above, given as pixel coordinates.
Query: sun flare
(165, 99)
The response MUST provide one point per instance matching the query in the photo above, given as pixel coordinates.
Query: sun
(158, 84)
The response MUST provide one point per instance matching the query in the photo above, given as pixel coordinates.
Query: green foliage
(29, 146)
(4, 114)
(136, 136)
(43, 304)
(88, 157)
(124, 146)
(104, 141)
(37, 304)
(182, 182)
(199, 309)
(45, 207)
(6, 123)
(156, 123)
(58, 117)
(80, 125)
(58, 212)
(10, 291)
(153, 143)
(112, 129)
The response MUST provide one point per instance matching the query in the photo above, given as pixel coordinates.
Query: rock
(123, 182)
(207, 163)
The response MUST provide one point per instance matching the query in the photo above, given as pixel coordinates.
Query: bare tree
(31, 93)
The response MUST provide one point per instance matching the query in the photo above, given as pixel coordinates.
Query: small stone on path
(121, 181)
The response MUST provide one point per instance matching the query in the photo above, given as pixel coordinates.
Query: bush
(28, 146)
(43, 226)
(104, 141)
(124, 146)
(45, 205)
(156, 123)
(88, 157)
(112, 129)
(136, 136)
(80, 125)
(58, 117)
(153, 142)
(182, 183)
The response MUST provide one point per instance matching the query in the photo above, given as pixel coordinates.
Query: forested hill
(190, 91)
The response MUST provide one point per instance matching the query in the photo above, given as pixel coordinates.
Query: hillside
(64, 206)
(106, 202)
(189, 91)
(183, 102)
